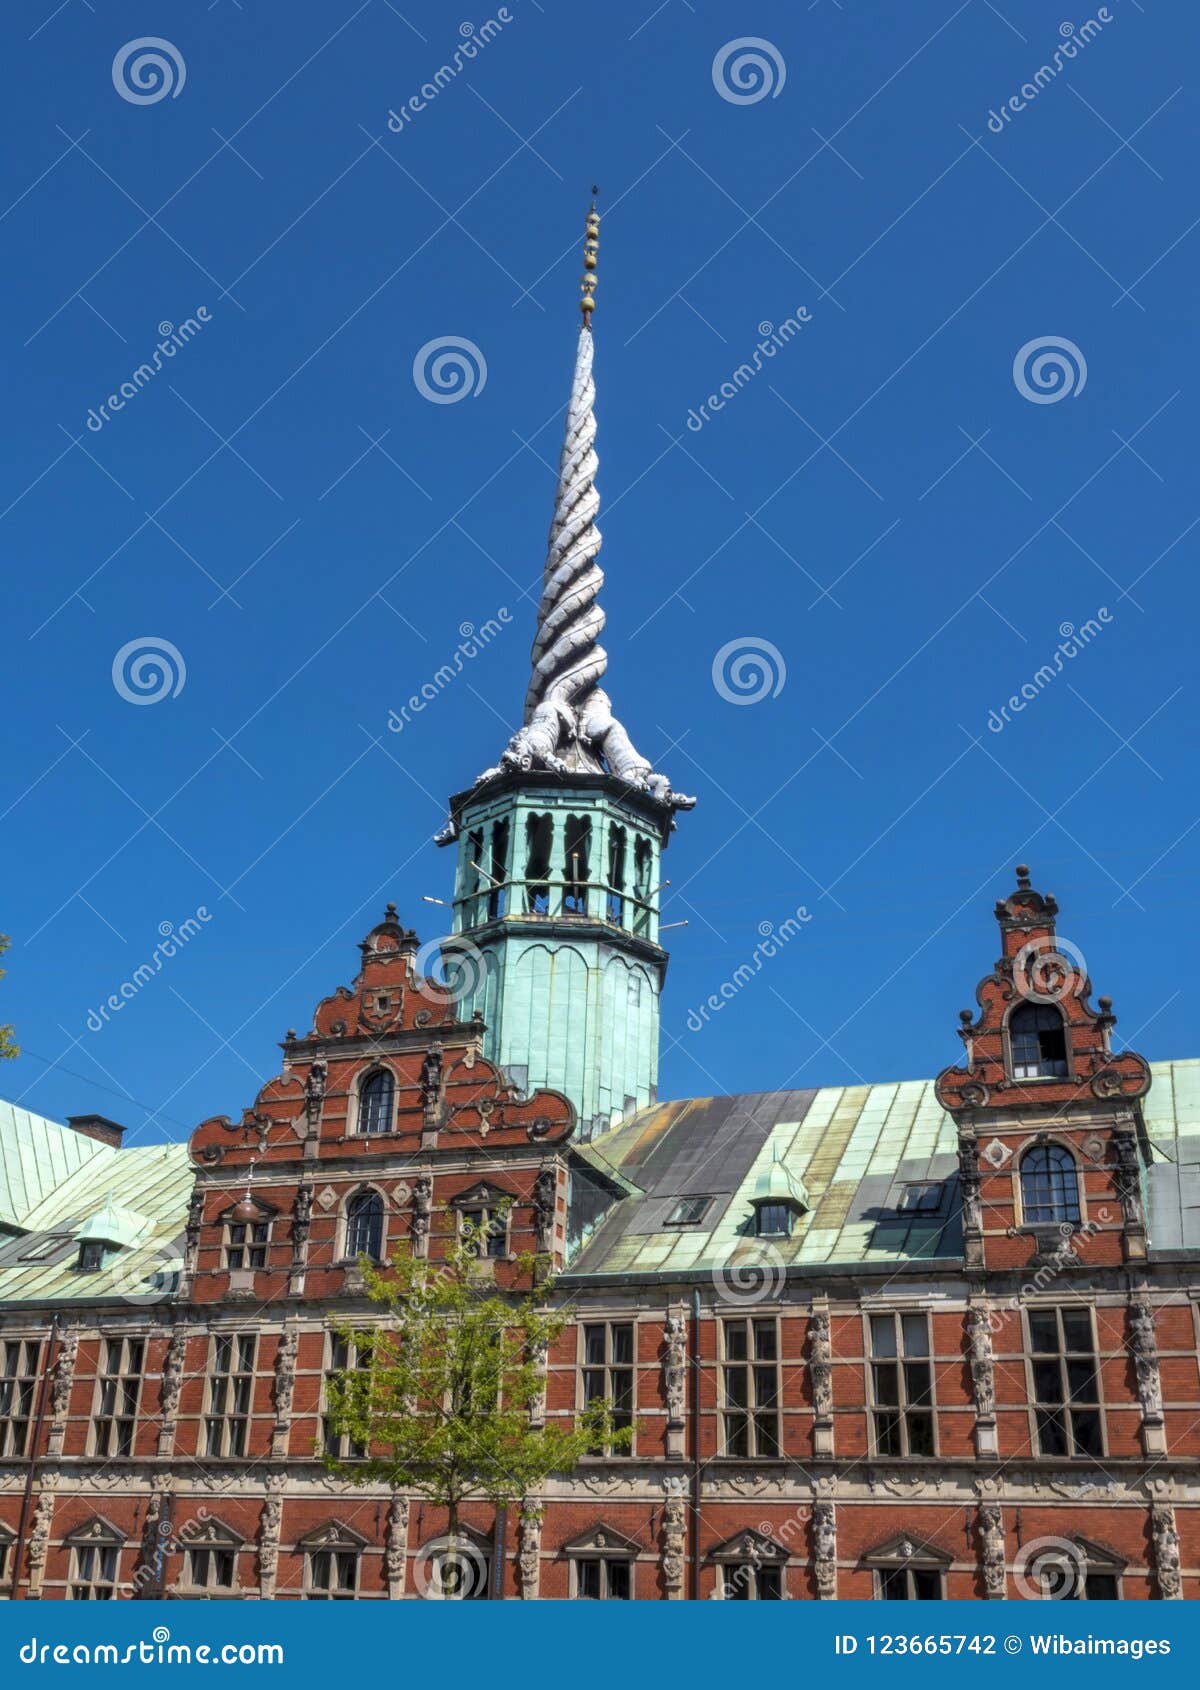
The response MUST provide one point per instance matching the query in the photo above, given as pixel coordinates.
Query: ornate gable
(1038, 971)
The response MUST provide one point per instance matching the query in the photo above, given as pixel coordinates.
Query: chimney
(99, 1127)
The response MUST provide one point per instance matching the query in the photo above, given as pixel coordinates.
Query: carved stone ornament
(301, 1221)
(545, 1192)
(422, 1208)
(327, 1198)
(191, 1232)
(172, 1373)
(824, 1533)
(983, 1378)
(991, 1541)
(820, 1365)
(64, 1375)
(529, 1558)
(675, 1366)
(673, 1524)
(39, 1537)
(1166, 1551)
(285, 1372)
(396, 1547)
(268, 1543)
(314, 1091)
(1128, 1175)
(1144, 1348)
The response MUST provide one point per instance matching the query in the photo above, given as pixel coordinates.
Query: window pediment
(212, 1534)
(96, 1530)
(749, 1545)
(264, 1211)
(332, 1535)
(905, 1551)
(601, 1540)
(482, 1195)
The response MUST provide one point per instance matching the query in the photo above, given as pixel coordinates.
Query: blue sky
(880, 502)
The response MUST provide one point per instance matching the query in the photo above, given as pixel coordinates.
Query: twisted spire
(569, 726)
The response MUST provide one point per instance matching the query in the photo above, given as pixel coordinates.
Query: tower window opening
(473, 877)
(576, 856)
(614, 900)
(539, 835)
(498, 869)
(643, 863)
(1039, 1045)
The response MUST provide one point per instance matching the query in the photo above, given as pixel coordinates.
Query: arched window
(364, 1226)
(1049, 1185)
(1037, 1040)
(375, 1102)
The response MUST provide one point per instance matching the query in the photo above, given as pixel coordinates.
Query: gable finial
(591, 246)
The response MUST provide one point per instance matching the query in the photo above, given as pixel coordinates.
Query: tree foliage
(442, 1393)
(7, 1048)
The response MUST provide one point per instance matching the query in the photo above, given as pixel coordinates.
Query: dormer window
(246, 1243)
(773, 1220)
(92, 1256)
(1038, 1042)
(376, 1102)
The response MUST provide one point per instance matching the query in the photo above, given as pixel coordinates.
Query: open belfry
(914, 1340)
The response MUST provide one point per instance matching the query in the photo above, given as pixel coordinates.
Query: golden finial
(591, 246)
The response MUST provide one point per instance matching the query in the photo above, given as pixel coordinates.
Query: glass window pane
(1102, 1587)
(735, 1340)
(887, 1383)
(1077, 1330)
(587, 1580)
(1082, 1381)
(770, 1584)
(883, 1335)
(927, 1585)
(622, 1344)
(918, 1381)
(1052, 1436)
(893, 1585)
(618, 1581)
(1043, 1332)
(764, 1340)
(920, 1434)
(916, 1334)
(1086, 1426)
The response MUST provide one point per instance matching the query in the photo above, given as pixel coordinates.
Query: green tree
(442, 1391)
(7, 1047)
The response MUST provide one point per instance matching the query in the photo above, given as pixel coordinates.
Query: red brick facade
(218, 1481)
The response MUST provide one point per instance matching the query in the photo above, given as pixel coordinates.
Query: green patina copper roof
(59, 1188)
(853, 1150)
(36, 1155)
